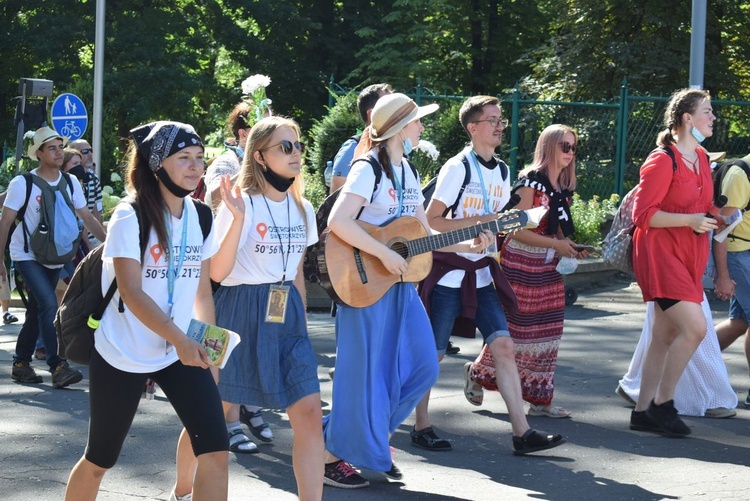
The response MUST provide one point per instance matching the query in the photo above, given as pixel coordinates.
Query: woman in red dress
(670, 252)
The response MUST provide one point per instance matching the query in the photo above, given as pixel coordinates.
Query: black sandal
(428, 440)
(246, 416)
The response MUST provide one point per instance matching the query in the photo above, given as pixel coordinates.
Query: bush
(588, 217)
(326, 136)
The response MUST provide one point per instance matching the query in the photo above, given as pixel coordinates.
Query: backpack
(310, 263)
(429, 188)
(84, 304)
(617, 246)
(721, 170)
(55, 239)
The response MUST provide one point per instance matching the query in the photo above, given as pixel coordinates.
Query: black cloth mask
(279, 183)
(175, 190)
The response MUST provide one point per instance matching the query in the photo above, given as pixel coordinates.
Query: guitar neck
(430, 243)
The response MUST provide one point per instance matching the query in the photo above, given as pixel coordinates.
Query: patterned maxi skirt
(537, 327)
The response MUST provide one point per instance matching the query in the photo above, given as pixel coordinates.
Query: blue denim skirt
(274, 365)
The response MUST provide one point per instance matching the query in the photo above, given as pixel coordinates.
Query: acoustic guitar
(353, 277)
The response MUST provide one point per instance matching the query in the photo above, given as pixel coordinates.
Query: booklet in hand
(217, 341)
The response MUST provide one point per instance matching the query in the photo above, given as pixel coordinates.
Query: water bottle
(328, 174)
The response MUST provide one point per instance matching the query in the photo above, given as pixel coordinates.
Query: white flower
(115, 177)
(107, 189)
(253, 83)
(429, 149)
(29, 134)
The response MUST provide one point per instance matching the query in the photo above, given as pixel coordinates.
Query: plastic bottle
(328, 174)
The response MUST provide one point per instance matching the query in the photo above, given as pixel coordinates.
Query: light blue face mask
(408, 147)
(697, 135)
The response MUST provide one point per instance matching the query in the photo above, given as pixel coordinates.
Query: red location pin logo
(392, 193)
(39, 199)
(156, 252)
(262, 229)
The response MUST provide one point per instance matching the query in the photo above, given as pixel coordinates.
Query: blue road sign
(69, 117)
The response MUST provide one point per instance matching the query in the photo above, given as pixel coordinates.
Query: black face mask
(79, 172)
(279, 183)
(175, 190)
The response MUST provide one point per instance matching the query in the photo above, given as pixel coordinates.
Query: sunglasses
(86, 151)
(287, 147)
(566, 147)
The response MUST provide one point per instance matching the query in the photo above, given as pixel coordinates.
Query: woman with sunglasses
(670, 253)
(529, 260)
(264, 226)
(385, 353)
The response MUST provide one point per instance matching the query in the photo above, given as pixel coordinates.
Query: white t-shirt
(384, 206)
(121, 339)
(15, 199)
(265, 234)
(448, 185)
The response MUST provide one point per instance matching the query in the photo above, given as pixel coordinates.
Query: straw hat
(41, 136)
(717, 156)
(393, 112)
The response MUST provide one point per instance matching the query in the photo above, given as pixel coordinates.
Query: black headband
(159, 140)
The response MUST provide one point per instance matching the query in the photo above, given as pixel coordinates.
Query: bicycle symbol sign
(69, 117)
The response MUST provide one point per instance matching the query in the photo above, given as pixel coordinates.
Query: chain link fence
(615, 137)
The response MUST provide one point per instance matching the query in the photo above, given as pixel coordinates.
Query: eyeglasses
(566, 147)
(86, 151)
(494, 121)
(287, 147)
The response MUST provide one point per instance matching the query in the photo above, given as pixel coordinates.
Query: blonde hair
(251, 179)
(545, 154)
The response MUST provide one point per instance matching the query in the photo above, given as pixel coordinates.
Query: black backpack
(84, 304)
(310, 263)
(721, 170)
(429, 188)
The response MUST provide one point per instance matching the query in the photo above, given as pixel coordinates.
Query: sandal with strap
(428, 440)
(246, 418)
(238, 439)
(473, 392)
(552, 412)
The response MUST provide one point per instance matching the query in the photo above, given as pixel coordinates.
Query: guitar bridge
(360, 265)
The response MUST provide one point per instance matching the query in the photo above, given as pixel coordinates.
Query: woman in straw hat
(381, 369)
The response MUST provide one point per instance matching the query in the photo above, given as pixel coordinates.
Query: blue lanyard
(172, 273)
(487, 209)
(399, 188)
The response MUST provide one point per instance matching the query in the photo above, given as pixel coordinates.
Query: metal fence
(615, 137)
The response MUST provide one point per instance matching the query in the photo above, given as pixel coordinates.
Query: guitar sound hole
(400, 249)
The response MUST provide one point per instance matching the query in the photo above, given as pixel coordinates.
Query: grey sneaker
(63, 375)
(23, 372)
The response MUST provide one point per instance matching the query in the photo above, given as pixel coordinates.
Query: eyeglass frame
(498, 121)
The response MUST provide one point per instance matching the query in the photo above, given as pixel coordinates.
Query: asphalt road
(43, 432)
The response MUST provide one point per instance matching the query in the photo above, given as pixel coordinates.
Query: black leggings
(114, 396)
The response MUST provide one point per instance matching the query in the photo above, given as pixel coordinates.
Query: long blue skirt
(385, 363)
(274, 365)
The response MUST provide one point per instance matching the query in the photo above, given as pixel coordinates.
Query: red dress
(669, 262)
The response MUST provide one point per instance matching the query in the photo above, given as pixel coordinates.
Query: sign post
(69, 116)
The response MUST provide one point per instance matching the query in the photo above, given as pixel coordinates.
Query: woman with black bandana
(265, 226)
(530, 259)
(161, 289)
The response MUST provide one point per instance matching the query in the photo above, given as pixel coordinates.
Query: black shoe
(451, 349)
(665, 417)
(639, 421)
(747, 400)
(25, 373)
(394, 473)
(533, 441)
(341, 474)
(427, 439)
(64, 375)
